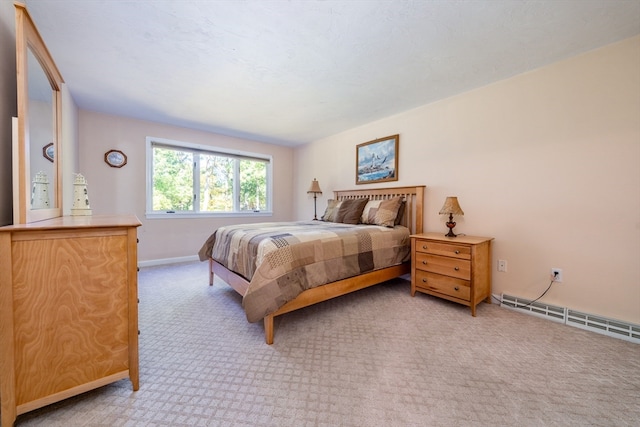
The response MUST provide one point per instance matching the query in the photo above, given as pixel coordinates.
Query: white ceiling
(290, 72)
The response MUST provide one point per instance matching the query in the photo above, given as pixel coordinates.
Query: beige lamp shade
(451, 207)
(315, 187)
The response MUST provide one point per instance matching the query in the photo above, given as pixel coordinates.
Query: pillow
(350, 211)
(382, 212)
(331, 211)
(400, 212)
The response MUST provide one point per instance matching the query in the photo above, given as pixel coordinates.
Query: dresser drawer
(446, 285)
(453, 267)
(444, 249)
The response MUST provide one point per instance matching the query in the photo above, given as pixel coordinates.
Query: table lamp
(451, 207)
(315, 189)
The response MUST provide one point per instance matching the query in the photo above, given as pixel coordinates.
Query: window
(185, 178)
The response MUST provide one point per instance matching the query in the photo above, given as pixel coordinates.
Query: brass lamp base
(315, 212)
(451, 224)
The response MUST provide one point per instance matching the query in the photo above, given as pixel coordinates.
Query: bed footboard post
(210, 271)
(268, 329)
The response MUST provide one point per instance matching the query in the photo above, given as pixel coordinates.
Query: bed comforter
(281, 260)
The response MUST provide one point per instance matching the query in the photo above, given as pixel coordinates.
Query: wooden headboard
(413, 196)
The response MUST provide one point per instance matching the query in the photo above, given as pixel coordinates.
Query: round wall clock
(115, 158)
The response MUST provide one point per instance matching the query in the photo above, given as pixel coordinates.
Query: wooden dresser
(454, 268)
(68, 309)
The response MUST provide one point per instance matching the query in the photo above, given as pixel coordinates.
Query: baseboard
(539, 309)
(604, 325)
(590, 322)
(165, 261)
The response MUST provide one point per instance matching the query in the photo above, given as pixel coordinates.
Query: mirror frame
(28, 38)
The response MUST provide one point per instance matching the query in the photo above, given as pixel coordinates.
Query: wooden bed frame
(412, 218)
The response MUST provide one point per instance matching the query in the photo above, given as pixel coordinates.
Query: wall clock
(115, 158)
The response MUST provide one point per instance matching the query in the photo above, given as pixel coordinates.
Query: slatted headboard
(413, 196)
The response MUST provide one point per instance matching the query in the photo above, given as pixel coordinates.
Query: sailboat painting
(377, 160)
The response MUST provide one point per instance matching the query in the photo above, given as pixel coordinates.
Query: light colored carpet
(374, 358)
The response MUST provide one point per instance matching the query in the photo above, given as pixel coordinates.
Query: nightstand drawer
(446, 285)
(444, 249)
(443, 265)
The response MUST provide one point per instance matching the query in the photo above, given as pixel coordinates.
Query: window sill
(191, 215)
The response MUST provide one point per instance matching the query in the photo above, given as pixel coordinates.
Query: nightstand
(454, 268)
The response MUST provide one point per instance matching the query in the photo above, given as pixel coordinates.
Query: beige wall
(547, 163)
(123, 190)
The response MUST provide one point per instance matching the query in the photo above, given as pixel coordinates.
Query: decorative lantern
(40, 192)
(80, 197)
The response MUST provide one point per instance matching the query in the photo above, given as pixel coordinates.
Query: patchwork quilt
(282, 259)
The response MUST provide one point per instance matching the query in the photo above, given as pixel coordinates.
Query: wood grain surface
(70, 312)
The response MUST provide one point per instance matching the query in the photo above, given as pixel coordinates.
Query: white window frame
(195, 213)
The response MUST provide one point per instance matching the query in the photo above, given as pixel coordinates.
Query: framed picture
(49, 151)
(377, 160)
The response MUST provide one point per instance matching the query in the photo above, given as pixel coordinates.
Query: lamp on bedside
(451, 207)
(315, 189)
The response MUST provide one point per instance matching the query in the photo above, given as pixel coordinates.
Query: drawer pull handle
(457, 252)
(457, 288)
(424, 262)
(424, 280)
(424, 246)
(456, 268)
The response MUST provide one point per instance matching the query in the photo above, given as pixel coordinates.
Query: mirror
(41, 133)
(37, 189)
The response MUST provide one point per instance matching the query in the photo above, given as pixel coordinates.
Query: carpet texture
(377, 357)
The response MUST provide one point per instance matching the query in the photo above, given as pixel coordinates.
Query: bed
(236, 273)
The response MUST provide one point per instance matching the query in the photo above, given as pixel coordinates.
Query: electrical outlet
(502, 265)
(556, 274)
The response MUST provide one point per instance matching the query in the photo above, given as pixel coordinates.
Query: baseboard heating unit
(599, 324)
(547, 311)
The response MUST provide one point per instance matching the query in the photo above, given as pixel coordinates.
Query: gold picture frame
(377, 160)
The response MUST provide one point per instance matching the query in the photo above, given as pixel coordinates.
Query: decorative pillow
(332, 210)
(400, 212)
(350, 211)
(382, 212)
